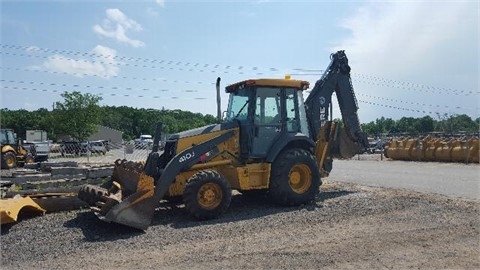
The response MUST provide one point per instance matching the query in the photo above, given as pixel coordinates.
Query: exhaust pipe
(219, 109)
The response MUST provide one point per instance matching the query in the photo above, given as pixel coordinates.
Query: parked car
(97, 147)
(144, 141)
(74, 148)
(107, 145)
(40, 150)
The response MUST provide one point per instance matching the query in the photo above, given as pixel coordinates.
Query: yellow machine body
(13, 153)
(271, 141)
(10, 208)
(240, 176)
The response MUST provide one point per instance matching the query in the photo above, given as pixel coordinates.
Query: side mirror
(224, 115)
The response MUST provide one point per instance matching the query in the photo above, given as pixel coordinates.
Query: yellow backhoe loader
(270, 141)
(13, 153)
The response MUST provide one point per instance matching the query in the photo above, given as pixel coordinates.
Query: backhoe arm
(336, 78)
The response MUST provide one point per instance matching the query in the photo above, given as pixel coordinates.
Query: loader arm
(324, 145)
(336, 78)
(137, 209)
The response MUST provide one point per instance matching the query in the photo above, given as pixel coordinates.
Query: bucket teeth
(100, 204)
(102, 208)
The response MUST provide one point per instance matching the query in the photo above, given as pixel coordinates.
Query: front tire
(29, 159)
(295, 178)
(207, 195)
(9, 160)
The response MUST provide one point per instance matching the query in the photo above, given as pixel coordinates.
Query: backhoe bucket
(129, 201)
(344, 146)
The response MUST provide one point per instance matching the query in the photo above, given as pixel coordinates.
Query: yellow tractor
(13, 153)
(271, 141)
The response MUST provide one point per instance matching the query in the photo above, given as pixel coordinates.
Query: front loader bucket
(135, 210)
(129, 201)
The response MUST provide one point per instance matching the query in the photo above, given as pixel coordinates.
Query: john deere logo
(322, 100)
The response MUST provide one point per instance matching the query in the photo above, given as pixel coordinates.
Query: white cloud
(116, 25)
(403, 31)
(103, 64)
(115, 15)
(160, 2)
(416, 42)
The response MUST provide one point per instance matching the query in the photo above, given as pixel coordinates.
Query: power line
(116, 89)
(397, 108)
(411, 87)
(114, 77)
(416, 85)
(54, 91)
(58, 92)
(192, 65)
(416, 103)
(201, 83)
(201, 67)
(404, 85)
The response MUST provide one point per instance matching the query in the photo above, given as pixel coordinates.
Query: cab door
(268, 121)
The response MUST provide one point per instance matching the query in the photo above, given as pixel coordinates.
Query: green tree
(406, 124)
(456, 123)
(424, 124)
(78, 116)
(369, 128)
(390, 126)
(20, 121)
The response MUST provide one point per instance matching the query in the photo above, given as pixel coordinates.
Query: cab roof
(303, 85)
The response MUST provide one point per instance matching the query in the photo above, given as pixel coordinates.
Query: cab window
(267, 108)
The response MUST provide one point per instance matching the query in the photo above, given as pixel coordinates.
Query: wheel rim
(300, 178)
(29, 160)
(209, 196)
(10, 160)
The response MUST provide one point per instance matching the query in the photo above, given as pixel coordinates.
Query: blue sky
(408, 58)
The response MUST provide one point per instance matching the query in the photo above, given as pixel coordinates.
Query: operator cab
(267, 111)
(7, 136)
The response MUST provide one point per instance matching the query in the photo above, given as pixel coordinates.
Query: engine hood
(203, 130)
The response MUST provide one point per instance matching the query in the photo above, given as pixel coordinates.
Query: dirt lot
(348, 227)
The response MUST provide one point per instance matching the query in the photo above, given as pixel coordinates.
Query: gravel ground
(348, 227)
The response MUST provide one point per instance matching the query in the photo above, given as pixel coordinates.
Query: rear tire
(207, 195)
(29, 159)
(295, 178)
(9, 160)
(91, 194)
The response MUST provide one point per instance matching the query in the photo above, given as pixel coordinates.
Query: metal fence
(83, 153)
